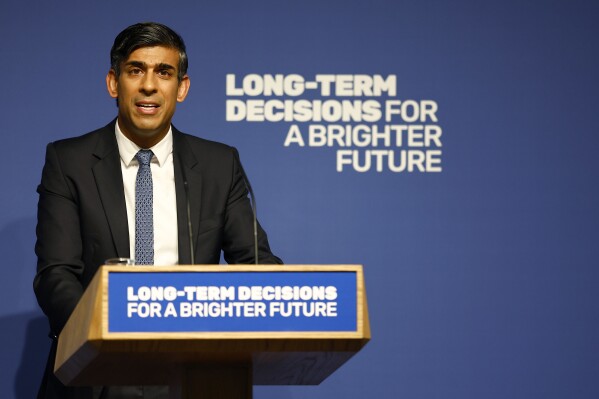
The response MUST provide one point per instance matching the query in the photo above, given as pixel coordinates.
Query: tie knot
(144, 157)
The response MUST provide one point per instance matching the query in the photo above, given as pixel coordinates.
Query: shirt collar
(128, 149)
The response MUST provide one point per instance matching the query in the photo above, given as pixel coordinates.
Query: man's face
(147, 91)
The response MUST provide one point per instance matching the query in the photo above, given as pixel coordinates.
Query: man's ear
(183, 89)
(112, 83)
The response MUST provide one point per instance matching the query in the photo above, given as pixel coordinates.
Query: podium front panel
(236, 301)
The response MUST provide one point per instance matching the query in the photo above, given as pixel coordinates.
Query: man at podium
(137, 188)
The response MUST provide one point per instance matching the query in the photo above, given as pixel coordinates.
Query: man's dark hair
(147, 34)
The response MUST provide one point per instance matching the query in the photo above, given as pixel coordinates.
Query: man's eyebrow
(163, 65)
(143, 65)
(138, 64)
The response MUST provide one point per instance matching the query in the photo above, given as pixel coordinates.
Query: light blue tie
(144, 217)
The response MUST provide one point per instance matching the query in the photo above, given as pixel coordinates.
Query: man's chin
(146, 137)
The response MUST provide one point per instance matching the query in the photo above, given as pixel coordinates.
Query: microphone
(189, 228)
(246, 181)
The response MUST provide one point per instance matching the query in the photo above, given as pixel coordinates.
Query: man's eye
(135, 71)
(165, 73)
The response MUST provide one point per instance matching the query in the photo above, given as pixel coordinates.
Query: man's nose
(148, 84)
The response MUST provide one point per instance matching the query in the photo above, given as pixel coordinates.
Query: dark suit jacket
(82, 216)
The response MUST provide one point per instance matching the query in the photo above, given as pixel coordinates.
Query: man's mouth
(147, 105)
(147, 108)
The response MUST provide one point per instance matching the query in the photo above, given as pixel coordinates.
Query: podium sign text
(235, 301)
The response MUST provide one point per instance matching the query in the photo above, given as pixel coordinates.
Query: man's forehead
(155, 55)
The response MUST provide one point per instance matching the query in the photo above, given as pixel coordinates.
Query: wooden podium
(204, 364)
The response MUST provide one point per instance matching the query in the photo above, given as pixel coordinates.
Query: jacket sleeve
(57, 283)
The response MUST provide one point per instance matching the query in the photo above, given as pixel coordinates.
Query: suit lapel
(185, 164)
(109, 181)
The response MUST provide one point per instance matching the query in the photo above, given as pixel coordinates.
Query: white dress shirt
(166, 242)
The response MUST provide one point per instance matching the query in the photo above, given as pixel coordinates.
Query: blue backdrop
(482, 279)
